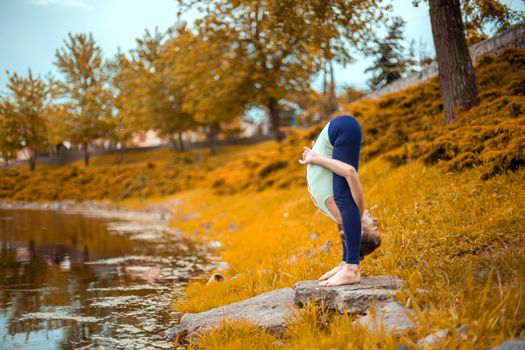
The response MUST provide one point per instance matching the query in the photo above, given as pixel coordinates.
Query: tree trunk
(323, 109)
(332, 97)
(181, 142)
(173, 142)
(274, 118)
(457, 80)
(212, 137)
(119, 156)
(6, 161)
(32, 160)
(86, 153)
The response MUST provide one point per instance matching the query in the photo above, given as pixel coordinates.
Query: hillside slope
(399, 127)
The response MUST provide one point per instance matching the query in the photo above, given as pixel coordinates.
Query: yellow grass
(452, 234)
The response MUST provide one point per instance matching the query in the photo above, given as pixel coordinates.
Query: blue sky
(31, 30)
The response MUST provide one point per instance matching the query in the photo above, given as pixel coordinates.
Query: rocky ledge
(354, 298)
(268, 310)
(272, 310)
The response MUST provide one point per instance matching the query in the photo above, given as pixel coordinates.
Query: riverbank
(81, 275)
(107, 209)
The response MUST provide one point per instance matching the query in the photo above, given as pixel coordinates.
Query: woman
(334, 186)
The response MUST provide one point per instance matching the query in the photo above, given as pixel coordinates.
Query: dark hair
(369, 243)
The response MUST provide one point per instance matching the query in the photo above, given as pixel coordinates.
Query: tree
(391, 60)
(58, 125)
(30, 97)
(127, 86)
(457, 80)
(285, 42)
(480, 14)
(164, 94)
(421, 58)
(84, 89)
(10, 140)
(212, 83)
(146, 96)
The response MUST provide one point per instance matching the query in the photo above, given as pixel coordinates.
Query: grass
(448, 198)
(455, 235)
(109, 176)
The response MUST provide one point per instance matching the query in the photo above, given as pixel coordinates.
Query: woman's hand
(309, 156)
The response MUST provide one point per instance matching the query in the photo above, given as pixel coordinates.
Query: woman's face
(369, 224)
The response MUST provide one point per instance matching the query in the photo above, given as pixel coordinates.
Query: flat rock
(353, 298)
(269, 311)
(393, 316)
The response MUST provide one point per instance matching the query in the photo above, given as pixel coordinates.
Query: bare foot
(332, 272)
(348, 274)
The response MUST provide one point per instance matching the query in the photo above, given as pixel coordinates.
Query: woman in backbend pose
(334, 186)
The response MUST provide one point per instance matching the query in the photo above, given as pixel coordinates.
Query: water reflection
(70, 281)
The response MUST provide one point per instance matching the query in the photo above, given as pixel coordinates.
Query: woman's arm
(340, 168)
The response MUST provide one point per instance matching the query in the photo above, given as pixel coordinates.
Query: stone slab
(353, 298)
(268, 310)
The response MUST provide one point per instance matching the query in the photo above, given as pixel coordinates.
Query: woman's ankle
(350, 266)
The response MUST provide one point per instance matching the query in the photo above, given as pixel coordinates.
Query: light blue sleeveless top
(319, 179)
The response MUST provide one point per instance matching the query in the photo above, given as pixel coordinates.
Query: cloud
(62, 3)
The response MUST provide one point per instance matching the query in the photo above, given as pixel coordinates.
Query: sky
(31, 31)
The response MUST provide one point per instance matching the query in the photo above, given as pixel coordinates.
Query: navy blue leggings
(344, 133)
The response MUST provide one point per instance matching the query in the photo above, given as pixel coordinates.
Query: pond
(81, 280)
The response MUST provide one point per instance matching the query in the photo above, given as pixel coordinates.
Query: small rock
(237, 275)
(222, 266)
(314, 235)
(172, 332)
(214, 244)
(422, 291)
(176, 314)
(326, 246)
(392, 315)
(149, 328)
(434, 338)
(462, 331)
(216, 277)
(512, 344)
(232, 226)
(309, 252)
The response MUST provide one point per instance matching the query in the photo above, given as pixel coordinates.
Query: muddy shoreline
(149, 227)
(101, 208)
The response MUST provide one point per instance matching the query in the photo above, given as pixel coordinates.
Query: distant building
(149, 138)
